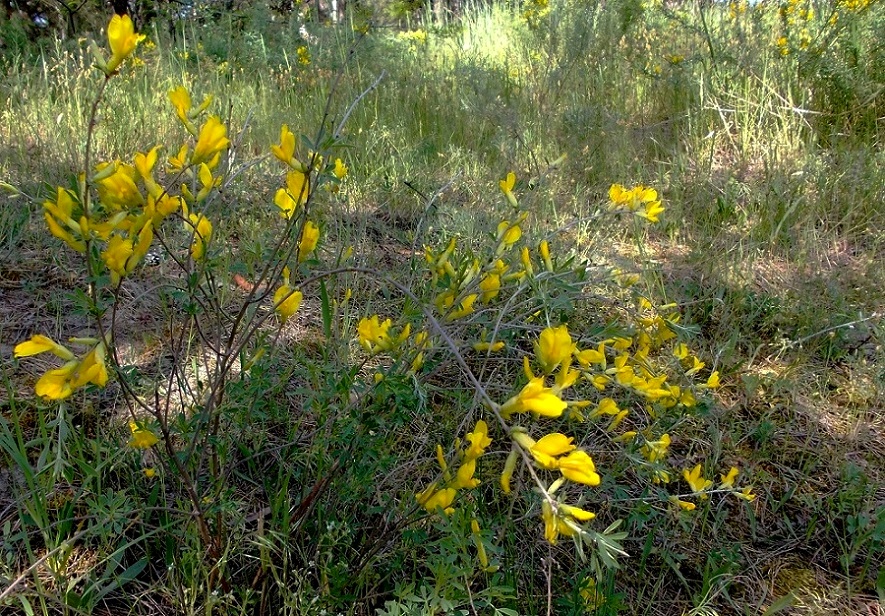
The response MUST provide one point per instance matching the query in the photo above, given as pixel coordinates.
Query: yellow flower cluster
(374, 335)
(640, 200)
(700, 485)
(142, 437)
(298, 187)
(465, 280)
(736, 8)
(536, 12)
(797, 17)
(855, 6)
(555, 452)
(286, 299)
(117, 206)
(441, 496)
(563, 519)
(414, 39)
(303, 54)
(60, 383)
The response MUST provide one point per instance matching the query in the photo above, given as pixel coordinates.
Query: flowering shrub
(592, 389)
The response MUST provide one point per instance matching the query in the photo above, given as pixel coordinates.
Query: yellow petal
(41, 344)
(578, 467)
(56, 384)
(509, 467)
(212, 140)
(555, 444)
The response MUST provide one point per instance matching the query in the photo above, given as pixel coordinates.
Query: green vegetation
(558, 308)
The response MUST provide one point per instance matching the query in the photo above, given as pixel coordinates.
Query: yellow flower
(746, 494)
(606, 406)
(507, 185)
(144, 165)
(661, 476)
(544, 250)
(60, 232)
(546, 450)
(479, 440)
(212, 140)
(303, 55)
(374, 335)
(116, 255)
(149, 473)
(551, 524)
(207, 182)
(696, 480)
(465, 307)
(202, 230)
(142, 438)
(92, 369)
(728, 480)
(309, 238)
(687, 399)
(118, 190)
(577, 513)
(431, 498)
(562, 521)
(713, 380)
(696, 366)
(285, 151)
(464, 476)
(680, 351)
(526, 260)
(554, 444)
(537, 398)
(441, 460)
(179, 161)
(181, 100)
(656, 450)
(490, 286)
(340, 169)
(41, 344)
(621, 344)
(294, 195)
(554, 347)
(508, 233)
(477, 540)
(488, 347)
(286, 302)
(592, 356)
(684, 505)
(578, 467)
(122, 40)
(56, 384)
(509, 467)
(628, 436)
(641, 200)
(651, 211)
(617, 419)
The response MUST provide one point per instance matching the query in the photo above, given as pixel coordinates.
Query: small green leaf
(326, 310)
(780, 605)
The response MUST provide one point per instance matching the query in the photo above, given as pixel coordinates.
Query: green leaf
(26, 605)
(326, 310)
(780, 605)
(880, 586)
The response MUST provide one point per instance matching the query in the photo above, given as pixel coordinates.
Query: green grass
(771, 246)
